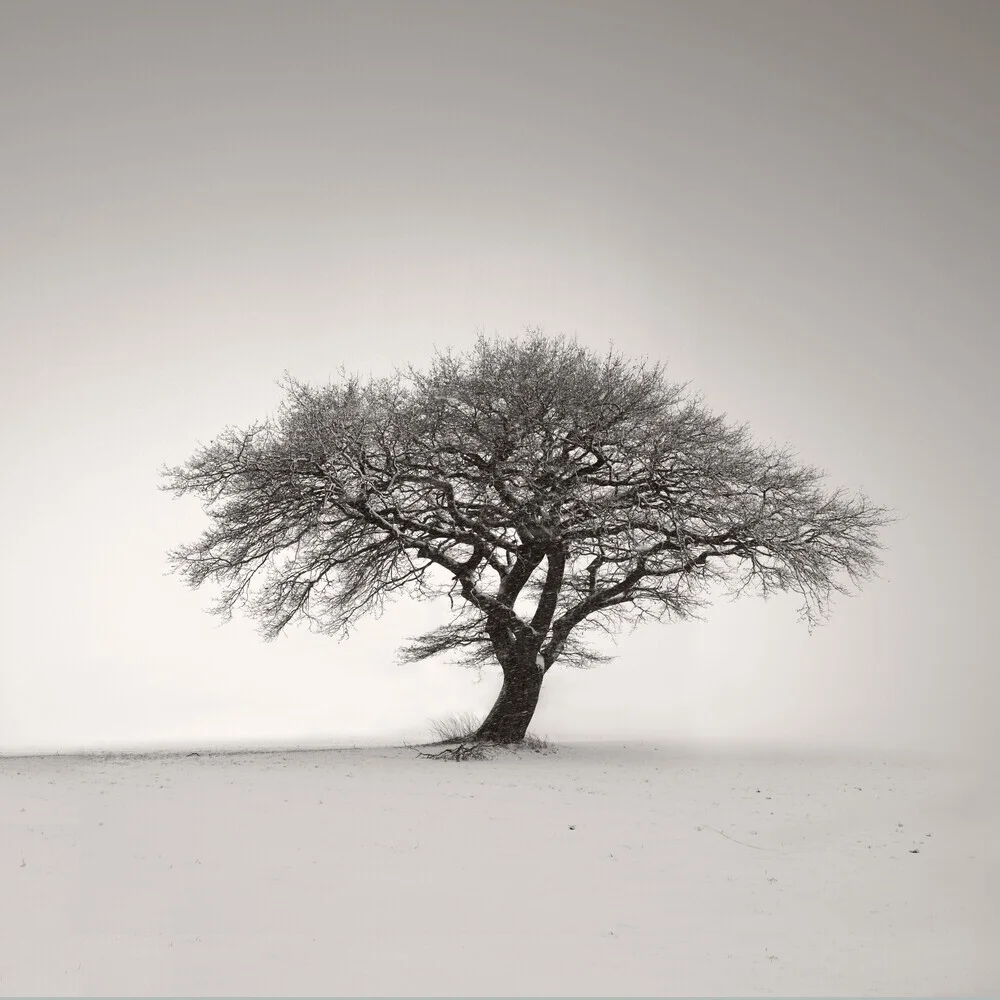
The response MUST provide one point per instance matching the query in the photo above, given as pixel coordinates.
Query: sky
(793, 205)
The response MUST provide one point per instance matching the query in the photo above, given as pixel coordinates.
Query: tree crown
(546, 489)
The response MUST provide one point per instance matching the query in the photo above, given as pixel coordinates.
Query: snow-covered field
(600, 869)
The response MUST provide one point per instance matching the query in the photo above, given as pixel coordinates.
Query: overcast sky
(793, 204)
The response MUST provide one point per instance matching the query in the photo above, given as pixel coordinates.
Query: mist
(793, 205)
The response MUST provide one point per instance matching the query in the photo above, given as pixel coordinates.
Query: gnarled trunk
(515, 705)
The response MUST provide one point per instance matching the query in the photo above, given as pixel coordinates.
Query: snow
(597, 869)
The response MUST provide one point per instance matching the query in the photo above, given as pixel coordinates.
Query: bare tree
(545, 490)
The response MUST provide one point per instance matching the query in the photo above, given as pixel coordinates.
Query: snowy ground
(601, 869)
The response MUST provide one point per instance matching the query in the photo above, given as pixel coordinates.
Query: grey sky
(794, 204)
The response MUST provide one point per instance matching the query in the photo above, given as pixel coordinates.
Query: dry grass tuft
(455, 728)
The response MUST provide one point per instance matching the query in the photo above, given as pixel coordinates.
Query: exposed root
(462, 751)
(484, 749)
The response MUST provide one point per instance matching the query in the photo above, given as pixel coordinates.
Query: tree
(546, 490)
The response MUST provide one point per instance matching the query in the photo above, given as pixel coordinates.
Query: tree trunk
(515, 705)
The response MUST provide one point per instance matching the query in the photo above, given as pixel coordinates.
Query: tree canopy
(544, 489)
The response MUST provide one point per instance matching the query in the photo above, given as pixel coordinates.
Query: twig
(756, 847)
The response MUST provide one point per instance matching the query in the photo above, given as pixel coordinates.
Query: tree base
(508, 720)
